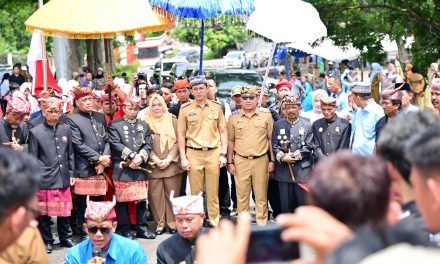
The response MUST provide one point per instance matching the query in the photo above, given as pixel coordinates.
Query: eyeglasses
(248, 98)
(94, 229)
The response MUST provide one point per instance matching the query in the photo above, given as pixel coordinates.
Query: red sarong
(131, 191)
(55, 202)
(94, 186)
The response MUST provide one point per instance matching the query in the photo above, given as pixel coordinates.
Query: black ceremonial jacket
(127, 137)
(330, 137)
(89, 139)
(54, 150)
(301, 138)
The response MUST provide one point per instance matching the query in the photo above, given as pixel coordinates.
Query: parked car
(165, 66)
(191, 55)
(226, 79)
(235, 59)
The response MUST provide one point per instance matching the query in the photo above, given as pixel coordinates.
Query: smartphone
(266, 245)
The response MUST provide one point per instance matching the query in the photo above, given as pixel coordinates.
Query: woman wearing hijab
(164, 160)
(375, 79)
(99, 79)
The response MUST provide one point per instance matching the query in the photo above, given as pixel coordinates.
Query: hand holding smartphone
(266, 245)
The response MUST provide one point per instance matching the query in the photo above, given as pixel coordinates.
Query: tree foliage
(365, 23)
(13, 35)
(221, 34)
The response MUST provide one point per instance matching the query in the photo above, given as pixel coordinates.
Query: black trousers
(291, 196)
(81, 206)
(274, 197)
(63, 228)
(183, 183)
(124, 218)
(224, 193)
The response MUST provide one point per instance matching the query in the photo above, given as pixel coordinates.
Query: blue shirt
(342, 103)
(364, 128)
(412, 108)
(121, 250)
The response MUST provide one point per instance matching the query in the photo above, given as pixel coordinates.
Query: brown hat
(328, 100)
(250, 90)
(291, 100)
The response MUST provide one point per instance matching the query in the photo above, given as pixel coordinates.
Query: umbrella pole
(43, 51)
(202, 36)
(107, 71)
(266, 74)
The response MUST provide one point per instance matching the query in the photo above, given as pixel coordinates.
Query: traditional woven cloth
(55, 202)
(95, 185)
(100, 211)
(131, 191)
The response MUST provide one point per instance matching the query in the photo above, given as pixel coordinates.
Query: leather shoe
(160, 231)
(172, 231)
(68, 243)
(49, 248)
(127, 235)
(145, 235)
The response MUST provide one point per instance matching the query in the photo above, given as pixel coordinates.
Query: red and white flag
(35, 65)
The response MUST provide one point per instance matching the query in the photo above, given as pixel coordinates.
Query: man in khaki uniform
(202, 140)
(249, 137)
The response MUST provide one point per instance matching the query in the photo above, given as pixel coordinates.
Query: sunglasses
(94, 229)
(248, 98)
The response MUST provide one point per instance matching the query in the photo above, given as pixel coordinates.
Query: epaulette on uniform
(185, 104)
(215, 101)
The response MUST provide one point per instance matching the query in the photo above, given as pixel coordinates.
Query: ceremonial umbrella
(95, 19)
(284, 22)
(203, 9)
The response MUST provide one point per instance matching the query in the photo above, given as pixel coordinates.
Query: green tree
(365, 23)
(221, 34)
(13, 34)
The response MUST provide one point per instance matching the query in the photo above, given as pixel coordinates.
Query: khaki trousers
(251, 174)
(205, 172)
(159, 199)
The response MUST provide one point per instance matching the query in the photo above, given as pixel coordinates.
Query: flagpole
(43, 47)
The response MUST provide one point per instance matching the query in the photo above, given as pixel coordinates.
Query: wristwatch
(224, 155)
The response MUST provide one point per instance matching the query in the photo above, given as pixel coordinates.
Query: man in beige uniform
(202, 140)
(249, 136)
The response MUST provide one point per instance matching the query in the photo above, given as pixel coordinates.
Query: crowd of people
(348, 167)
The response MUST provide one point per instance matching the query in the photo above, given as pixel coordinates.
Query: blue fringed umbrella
(203, 9)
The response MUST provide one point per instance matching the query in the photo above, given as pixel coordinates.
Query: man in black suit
(88, 130)
(292, 143)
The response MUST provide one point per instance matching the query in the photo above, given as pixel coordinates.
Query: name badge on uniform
(192, 113)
